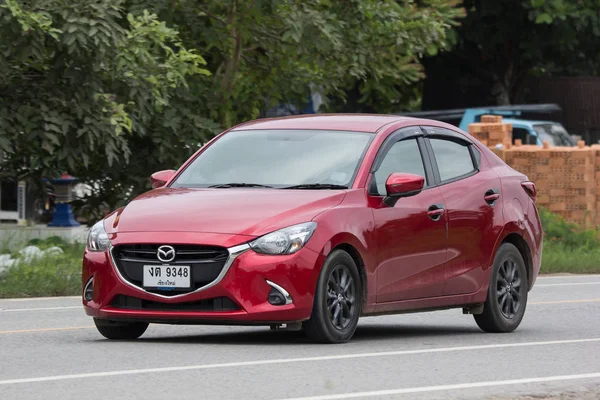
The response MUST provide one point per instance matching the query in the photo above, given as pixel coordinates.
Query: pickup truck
(529, 131)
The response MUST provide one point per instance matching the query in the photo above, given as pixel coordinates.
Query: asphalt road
(49, 350)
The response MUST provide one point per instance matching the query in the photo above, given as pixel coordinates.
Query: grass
(559, 258)
(567, 249)
(56, 275)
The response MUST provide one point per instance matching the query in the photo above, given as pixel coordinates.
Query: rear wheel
(505, 305)
(337, 301)
(118, 330)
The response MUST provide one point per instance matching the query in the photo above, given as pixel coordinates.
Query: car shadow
(378, 332)
(364, 333)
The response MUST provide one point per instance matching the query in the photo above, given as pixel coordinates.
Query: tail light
(530, 189)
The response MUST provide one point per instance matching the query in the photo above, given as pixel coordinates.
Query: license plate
(167, 277)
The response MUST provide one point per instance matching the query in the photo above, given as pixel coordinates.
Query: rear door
(471, 193)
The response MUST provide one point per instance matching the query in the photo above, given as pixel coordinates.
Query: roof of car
(342, 122)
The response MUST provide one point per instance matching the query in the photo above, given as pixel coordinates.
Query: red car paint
(403, 183)
(408, 260)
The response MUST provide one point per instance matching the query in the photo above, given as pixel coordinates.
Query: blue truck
(529, 131)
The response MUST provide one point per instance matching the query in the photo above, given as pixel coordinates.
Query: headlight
(284, 241)
(97, 238)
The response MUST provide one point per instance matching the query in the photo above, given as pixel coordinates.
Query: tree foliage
(265, 52)
(570, 30)
(85, 87)
(502, 42)
(111, 90)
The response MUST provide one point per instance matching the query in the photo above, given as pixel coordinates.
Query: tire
(116, 330)
(506, 300)
(339, 271)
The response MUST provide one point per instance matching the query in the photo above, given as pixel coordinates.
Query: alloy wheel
(341, 297)
(508, 289)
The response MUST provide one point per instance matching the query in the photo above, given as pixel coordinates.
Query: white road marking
(567, 284)
(564, 301)
(64, 328)
(40, 309)
(439, 388)
(42, 298)
(568, 276)
(290, 361)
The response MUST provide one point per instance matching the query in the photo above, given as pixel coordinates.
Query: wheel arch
(360, 264)
(522, 246)
(356, 245)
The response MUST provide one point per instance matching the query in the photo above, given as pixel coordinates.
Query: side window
(453, 159)
(403, 156)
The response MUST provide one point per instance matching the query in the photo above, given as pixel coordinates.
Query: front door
(410, 235)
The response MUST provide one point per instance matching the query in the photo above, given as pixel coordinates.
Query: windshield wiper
(234, 185)
(316, 186)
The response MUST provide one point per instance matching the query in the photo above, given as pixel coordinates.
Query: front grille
(206, 263)
(207, 305)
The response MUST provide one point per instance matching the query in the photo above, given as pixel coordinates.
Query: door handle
(491, 196)
(436, 211)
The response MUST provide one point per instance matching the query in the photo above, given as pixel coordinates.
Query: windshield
(554, 134)
(278, 158)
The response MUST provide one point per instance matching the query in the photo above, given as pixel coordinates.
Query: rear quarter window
(453, 159)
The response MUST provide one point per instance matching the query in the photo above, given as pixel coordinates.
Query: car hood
(237, 211)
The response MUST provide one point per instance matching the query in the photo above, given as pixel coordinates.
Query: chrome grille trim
(234, 252)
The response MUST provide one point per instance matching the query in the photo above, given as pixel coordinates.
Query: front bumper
(243, 281)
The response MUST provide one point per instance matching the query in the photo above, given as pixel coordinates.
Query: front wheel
(505, 305)
(337, 302)
(117, 330)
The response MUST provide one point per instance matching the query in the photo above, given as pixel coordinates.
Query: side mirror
(404, 185)
(160, 178)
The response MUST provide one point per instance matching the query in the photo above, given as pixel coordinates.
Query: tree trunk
(231, 67)
(502, 88)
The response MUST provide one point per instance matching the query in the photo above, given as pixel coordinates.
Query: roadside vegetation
(47, 273)
(567, 249)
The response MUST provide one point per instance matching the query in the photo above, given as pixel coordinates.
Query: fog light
(88, 291)
(278, 296)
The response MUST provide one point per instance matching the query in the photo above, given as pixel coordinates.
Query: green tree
(265, 52)
(83, 86)
(113, 90)
(502, 42)
(571, 31)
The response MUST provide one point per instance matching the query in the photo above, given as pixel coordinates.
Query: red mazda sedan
(311, 222)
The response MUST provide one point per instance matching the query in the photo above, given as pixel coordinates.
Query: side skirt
(471, 302)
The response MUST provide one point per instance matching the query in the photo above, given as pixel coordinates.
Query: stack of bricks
(596, 155)
(525, 159)
(566, 178)
(491, 131)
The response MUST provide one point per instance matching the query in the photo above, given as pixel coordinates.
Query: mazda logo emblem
(165, 254)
